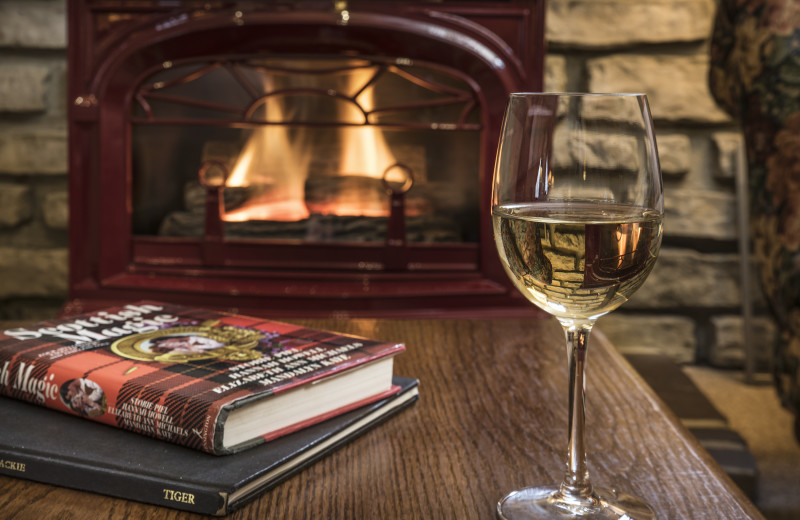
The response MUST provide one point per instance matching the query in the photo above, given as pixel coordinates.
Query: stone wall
(688, 309)
(33, 158)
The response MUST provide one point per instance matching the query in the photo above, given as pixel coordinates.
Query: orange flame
(279, 165)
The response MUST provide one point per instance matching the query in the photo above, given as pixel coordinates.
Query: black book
(64, 450)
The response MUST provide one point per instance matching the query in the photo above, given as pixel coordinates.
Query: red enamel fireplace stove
(292, 158)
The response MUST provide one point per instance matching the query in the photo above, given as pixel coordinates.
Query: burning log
(319, 228)
(356, 195)
(347, 208)
(194, 196)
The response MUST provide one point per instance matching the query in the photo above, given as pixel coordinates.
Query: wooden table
(492, 417)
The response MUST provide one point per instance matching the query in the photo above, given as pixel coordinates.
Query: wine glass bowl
(598, 254)
(577, 209)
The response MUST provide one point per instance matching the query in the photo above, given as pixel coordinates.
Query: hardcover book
(40, 445)
(207, 380)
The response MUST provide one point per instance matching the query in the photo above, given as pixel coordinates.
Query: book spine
(113, 482)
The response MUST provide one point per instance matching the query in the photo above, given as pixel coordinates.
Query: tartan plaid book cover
(173, 372)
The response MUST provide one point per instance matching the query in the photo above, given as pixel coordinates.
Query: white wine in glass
(577, 210)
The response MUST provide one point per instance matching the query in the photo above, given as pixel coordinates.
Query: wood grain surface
(492, 417)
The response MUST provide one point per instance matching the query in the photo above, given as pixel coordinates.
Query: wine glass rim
(580, 94)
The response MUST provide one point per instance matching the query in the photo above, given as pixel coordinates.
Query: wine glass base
(546, 502)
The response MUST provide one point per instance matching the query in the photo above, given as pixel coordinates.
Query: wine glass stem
(576, 484)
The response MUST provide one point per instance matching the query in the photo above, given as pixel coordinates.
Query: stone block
(563, 261)
(697, 213)
(613, 23)
(55, 209)
(555, 73)
(33, 272)
(672, 336)
(596, 150)
(43, 152)
(674, 153)
(37, 24)
(23, 87)
(687, 279)
(727, 350)
(676, 85)
(15, 204)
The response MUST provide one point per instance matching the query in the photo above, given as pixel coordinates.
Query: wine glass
(577, 208)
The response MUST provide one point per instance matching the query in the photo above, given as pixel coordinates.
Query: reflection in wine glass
(577, 209)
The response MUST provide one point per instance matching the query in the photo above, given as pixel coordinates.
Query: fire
(281, 163)
(278, 167)
(263, 208)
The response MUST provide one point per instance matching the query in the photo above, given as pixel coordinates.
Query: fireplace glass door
(306, 150)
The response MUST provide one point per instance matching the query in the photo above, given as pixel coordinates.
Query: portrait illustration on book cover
(209, 340)
(84, 396)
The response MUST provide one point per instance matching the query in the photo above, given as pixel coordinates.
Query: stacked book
(185, 407)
